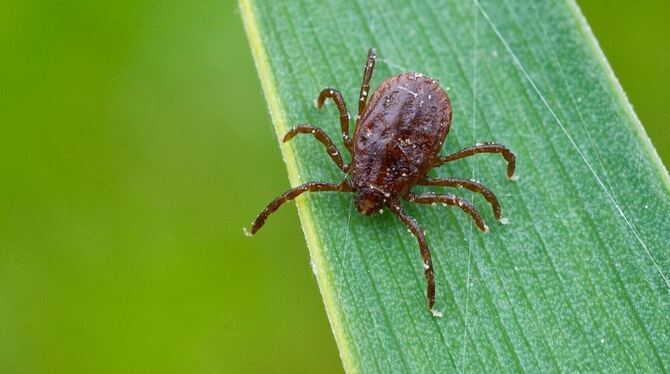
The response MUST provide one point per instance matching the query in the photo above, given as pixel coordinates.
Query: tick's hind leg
(292, 194)
(367, 75)
(344, 114)
(430, 198)
(321, 136)
(416, 230)
(482, 148)
(470, 185)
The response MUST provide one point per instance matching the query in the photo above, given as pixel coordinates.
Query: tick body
(397, 139)
(398, 136)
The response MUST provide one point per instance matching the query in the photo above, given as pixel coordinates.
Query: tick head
(369, 201)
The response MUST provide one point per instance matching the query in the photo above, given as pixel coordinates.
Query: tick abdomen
(400, 133)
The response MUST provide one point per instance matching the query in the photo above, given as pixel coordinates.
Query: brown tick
(397, 140)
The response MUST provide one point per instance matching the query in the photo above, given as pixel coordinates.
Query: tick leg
(367, 75)
(482, 148)
(321, 136)
(292, 194)
(344, 114)
(449, 199)
(416, 230)
(470, 185)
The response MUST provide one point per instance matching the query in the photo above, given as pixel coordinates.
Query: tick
(398, 136)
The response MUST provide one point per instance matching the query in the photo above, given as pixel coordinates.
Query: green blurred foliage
(636, 40)
(135, 145)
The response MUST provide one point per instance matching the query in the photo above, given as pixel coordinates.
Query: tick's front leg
(292, 194)
(367, 76)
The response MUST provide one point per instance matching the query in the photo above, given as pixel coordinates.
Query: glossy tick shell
(398, 137)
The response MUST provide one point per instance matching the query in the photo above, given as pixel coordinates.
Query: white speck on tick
(408, 90)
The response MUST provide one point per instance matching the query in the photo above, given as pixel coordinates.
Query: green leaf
(578, 279)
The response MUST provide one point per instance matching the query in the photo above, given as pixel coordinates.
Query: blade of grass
(578, 281)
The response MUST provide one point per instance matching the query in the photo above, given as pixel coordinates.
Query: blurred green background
(135, 145)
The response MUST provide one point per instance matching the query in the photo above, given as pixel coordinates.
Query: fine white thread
(574, 144)
(474, 139)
